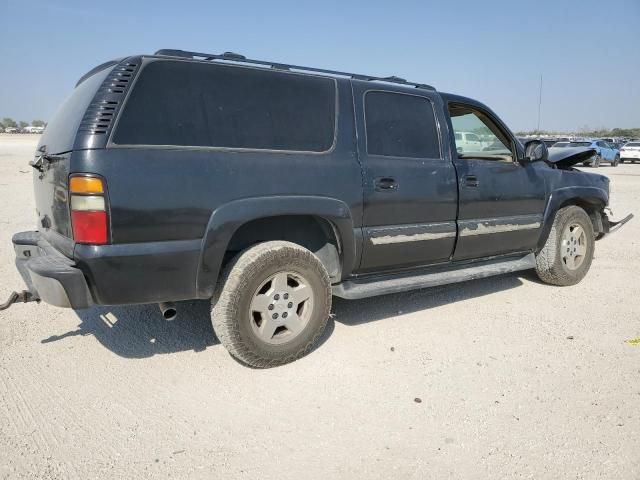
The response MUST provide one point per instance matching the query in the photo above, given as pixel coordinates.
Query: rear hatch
(52, 157)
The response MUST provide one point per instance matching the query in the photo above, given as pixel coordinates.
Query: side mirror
(536, 151)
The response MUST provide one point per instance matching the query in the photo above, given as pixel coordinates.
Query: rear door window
(204, 105)
(400, 125)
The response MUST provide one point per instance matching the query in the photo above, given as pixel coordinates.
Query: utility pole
(539, 103)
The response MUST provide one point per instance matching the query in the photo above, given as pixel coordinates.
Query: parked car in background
(12, 130)
(604, 152)
(468, 142)
(32, 129)
(631, 152)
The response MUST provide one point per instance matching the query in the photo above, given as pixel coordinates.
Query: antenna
(539, 103)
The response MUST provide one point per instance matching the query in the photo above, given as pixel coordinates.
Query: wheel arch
(320, 224)
(592, 200)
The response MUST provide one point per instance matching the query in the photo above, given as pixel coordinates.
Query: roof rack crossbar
(235, 57)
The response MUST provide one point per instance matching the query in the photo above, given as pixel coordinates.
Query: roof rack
(235, 57)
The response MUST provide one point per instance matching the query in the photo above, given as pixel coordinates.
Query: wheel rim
(573, 246)
(281, 308)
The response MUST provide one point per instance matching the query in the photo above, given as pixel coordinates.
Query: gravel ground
(497, 378)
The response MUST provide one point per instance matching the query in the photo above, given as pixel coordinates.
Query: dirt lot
(516, 379)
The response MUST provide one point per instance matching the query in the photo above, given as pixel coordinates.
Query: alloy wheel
(573, 246)
(281, 308)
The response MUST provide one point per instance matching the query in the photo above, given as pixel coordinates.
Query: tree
(38, 123)
(23, 124)
(9, 122)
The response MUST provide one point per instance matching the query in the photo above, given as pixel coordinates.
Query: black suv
(268, 188)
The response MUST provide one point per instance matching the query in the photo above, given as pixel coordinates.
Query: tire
(616, 161)
(596, 162)
(271, 277)
(553, 265)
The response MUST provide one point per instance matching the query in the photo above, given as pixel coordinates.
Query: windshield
(561, 144)
(633, 144)
(580, 144)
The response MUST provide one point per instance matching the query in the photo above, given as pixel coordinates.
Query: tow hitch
(24, 296)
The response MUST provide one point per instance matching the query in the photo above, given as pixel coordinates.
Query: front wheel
(597, 160)
(272, 304)
(566, 256)
(616, 161)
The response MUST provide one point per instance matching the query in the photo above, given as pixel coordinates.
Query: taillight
(89, 218)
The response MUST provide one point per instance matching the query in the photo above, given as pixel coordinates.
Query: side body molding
(592, 195)
(226, 219)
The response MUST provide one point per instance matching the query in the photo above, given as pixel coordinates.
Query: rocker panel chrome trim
(484, 226)
(411, 233)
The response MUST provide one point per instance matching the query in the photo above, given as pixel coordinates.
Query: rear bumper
(49, 275)
(124, 274)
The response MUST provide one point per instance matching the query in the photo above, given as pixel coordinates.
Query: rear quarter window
(60, 134)
(204, 105)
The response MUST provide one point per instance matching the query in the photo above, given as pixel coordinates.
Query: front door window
(478, 137)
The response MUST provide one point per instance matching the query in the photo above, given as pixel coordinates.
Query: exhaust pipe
(168, 310)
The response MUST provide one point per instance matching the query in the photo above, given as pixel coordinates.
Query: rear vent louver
(103, 109)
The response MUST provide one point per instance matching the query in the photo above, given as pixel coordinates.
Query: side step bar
(364, 288)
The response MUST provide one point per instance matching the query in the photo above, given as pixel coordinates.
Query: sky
(587, 51)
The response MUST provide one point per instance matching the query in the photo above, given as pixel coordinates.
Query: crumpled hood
(566, 157)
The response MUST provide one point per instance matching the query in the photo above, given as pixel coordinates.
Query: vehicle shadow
(140, 331)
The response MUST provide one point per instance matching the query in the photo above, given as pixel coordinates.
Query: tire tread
(548, 262)
(225, 301)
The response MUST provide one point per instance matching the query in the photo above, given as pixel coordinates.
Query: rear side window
(199, 104)
(400, 125)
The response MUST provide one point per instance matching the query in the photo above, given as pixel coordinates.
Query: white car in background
(468, 142)
(33, 129)
(630, 151)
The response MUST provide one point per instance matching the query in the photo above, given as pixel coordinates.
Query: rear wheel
(567, 254)
(616, 161)
(272, 304)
